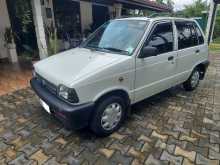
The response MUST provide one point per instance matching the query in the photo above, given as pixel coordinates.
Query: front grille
(51, 87)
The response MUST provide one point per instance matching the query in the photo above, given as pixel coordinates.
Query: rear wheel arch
(202, 69)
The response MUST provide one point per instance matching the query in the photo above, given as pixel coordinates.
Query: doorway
(100, 15)
(67, 20)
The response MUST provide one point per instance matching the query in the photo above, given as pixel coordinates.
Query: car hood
(69, 66)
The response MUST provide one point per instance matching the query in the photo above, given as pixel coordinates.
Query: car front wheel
(108, 116)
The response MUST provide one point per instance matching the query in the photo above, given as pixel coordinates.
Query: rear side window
(162, 38)
(187, 35)
(199, 34)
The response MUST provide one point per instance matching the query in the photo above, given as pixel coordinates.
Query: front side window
(162, 38)
(187, 35)
(118, 36)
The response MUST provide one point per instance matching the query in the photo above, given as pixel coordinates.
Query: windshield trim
(84, 43)
(103, 50)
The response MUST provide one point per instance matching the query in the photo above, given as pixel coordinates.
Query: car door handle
(170, 58)
(197, 51)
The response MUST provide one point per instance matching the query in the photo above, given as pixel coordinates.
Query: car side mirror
(148, 51)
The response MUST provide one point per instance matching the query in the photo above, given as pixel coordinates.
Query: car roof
(156, 18)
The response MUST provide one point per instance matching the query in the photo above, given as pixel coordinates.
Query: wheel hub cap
(111, 116)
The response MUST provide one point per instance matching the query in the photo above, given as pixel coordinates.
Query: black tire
(96, 121)
(188, 85)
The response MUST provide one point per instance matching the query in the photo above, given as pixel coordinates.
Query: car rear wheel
(108, 116)
(193, 80)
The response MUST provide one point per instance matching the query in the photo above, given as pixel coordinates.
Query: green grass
(214, 46)
(217, 40)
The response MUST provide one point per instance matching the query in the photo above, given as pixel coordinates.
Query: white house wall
(86, 15)
(4, 23)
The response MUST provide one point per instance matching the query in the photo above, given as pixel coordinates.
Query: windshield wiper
(92, 47)
(115, 50)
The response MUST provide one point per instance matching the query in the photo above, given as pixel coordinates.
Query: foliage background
(199, 8)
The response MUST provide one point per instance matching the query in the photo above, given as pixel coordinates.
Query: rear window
(187, 34)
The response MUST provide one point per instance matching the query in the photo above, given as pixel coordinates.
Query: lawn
(217, 40)
(214, 46)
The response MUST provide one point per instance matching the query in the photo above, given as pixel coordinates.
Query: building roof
(137, 4)
(217, 1)
(147, 4)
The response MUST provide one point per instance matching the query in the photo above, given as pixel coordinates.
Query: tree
(169, 3)
(23, 13)
(160, 1)
(216, 34)
(195, 9)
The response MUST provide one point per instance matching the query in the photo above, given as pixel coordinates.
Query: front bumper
(72, 116)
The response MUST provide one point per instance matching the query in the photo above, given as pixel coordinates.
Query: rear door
(189, 48)
(155, 74)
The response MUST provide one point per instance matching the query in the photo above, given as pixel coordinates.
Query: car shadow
(148, 106)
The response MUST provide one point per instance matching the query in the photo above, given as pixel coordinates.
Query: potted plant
(9, 42)
(52, 41)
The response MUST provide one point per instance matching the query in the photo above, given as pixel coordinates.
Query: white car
(121, 63)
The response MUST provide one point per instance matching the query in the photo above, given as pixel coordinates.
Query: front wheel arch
(117, 92)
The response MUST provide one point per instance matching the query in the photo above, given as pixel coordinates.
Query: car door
(188, 49)
(155, 74)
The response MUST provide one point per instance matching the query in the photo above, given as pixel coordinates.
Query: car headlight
(68, 94)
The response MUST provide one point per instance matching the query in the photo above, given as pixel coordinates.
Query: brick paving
(174, 127)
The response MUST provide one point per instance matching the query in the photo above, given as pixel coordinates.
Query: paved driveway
(174, 127)
(14, 76)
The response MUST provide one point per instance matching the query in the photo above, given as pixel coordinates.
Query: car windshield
(118, 36)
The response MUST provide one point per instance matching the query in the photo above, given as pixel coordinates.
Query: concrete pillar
(86, 15)
(118, 10)
(39, 28)
(211, 21)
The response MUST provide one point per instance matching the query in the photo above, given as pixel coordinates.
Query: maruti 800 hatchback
(121, 63)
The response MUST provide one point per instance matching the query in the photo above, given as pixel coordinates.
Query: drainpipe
(211, 21)
(39, 28)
